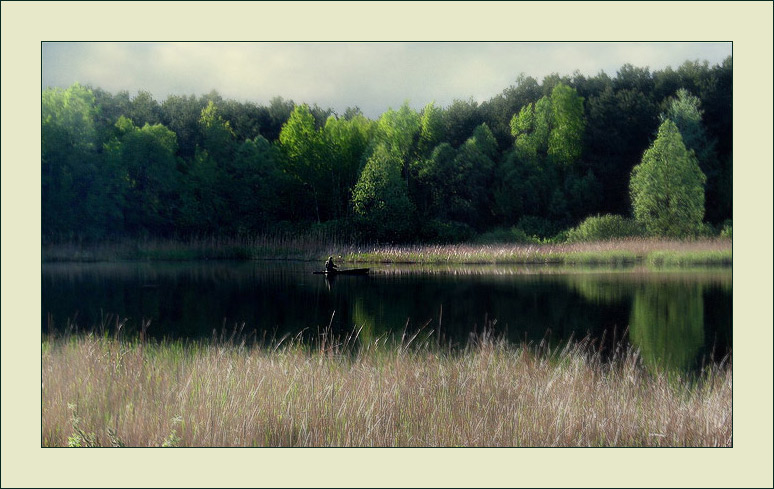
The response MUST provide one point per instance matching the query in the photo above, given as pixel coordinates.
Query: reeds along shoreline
(99, 391)
(653, 252)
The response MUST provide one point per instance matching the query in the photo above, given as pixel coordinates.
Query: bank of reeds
(276, 247)
(655, 252)
(316, 247)
(99, 391)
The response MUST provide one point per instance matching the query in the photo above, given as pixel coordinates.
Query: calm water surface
(679, 319)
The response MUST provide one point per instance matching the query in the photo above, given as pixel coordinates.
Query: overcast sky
(372, 76)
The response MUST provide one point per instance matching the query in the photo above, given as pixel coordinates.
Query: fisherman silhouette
(329, 265)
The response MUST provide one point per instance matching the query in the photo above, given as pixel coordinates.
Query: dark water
(678, 319)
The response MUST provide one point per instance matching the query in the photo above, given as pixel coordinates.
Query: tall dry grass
(657, 252)
(101, 392)
(308, 246)
(317, 246)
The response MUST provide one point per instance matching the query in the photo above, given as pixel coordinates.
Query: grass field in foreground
(99, 391)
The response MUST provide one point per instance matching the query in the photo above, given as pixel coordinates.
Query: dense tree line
(539, 157)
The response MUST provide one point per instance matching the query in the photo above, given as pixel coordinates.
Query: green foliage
(396, 130)
(173, 440)
(726, 230)
(685, 111)
(565, 143)
(259, 189)
(603, 228)
(380, 200)
(218, 139)
(620, 126)
(667, 188)
(540, 176)
(147, 156)
(438, 231)
(459, 120)
(306, 158)
(79, 438)
(453, 185)
(545, 154)
(553, 127)
(505, 235)
(346, 140)
(431, 129)
(539, 227)
(69, 173)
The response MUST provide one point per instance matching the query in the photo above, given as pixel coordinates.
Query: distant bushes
(604, 228)
(725, 230)
(609, 226)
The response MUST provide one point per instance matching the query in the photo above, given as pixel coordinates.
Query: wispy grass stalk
(99, 391)
(616, 252)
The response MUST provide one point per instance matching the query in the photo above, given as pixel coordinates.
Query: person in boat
(329, 265)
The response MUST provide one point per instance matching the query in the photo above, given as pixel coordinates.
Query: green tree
(279, 111)
(473, 176)
(75, 189)
(498, 111)
(147, 155)
(553, 128)
(380, 199)
(565, 143)
(218, 139)
(434, 183)
(538, 176)
(143, 109)
(181, 115)
(398, 130)
(667, 187)
(430, 129)
(260, 189)
(307, 160)
(453, 186)
(460, 118)
(346, 141)
(202, 207)
(686, 112)
(620, 124)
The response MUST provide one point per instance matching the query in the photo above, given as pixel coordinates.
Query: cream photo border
(747, 24)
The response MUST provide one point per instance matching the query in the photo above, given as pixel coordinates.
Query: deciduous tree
(667, 187)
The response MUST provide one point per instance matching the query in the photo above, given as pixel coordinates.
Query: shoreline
(649, 252)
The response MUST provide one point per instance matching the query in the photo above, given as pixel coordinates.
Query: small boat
(345, 271)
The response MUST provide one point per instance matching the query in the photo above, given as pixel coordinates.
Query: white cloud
(373, 76)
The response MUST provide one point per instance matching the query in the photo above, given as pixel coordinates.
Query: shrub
(725, 229)
(604, 228)
(706, 230)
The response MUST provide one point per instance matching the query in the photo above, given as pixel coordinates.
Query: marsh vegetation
(101, 392)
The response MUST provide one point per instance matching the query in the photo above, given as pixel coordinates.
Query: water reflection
(667, 324)
(676, 319)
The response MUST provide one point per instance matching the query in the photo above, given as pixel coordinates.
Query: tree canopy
(541, 156)
(667, 188)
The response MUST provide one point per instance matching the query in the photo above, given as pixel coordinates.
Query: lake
(679, 319)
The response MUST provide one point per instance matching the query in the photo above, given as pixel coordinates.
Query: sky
(373, 76)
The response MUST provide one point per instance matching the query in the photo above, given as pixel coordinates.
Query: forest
(569, 157)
